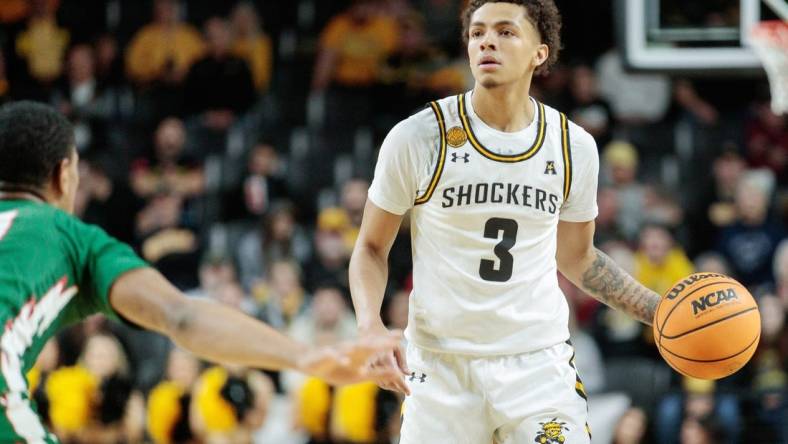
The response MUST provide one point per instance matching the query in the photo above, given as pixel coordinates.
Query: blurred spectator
(42, 46)
(417, 71)
(636, 98)
(169, 403)
(277, 238)
(219, 86)
(104, 202)
(233, 295)
(606, 222)
(687, 97)
(358, 413)
(714, 206)
(767, 141)
(281, 296)
(353, 47)
(353, 200)
(94, 401)
(263, 184)
(81, 98)
(164, 49)
(230, 405)
(585, 106)
(109, 65)
(660, 263)
(333, 244)
(632, 427)
(749, 243)
(701, 431)
(169, 170)
(328, 320)
(166, 242)
(770, 379)
(712, 262)
(698, 402)
(215, 271)
(252, 44)
(621, 167)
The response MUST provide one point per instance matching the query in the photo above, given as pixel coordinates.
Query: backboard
(691, 36)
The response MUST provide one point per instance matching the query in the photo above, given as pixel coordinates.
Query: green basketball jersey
(54, 270)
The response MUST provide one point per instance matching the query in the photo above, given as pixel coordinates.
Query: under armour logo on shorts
(414, 377)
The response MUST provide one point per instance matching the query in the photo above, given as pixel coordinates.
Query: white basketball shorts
(534, 397)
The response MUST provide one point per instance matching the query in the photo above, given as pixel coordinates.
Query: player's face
(503, 45)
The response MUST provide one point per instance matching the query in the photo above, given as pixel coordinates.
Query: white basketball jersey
(485, 211)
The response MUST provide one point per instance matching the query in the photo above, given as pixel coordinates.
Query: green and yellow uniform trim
(567, 156)
(509, 158)
(436, 175)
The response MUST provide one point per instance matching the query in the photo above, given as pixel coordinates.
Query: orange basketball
(707, 326)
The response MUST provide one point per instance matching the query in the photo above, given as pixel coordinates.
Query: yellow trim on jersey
(510, 158)
(567, 154)
(436, 176)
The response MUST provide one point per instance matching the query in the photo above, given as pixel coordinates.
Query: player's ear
(65, 177)
(541, 55)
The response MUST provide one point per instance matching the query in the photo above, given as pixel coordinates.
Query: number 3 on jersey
(492, 230)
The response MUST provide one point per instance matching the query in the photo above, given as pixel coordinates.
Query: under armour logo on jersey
(465, 157)
(413, 377)
(549, 167)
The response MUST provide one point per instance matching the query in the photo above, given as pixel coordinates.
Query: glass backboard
(690, 35)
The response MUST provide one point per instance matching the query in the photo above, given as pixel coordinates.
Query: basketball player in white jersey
(502, 194)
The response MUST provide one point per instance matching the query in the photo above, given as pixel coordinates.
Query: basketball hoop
(770, 42)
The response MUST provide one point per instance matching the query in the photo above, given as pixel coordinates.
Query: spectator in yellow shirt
(353, 47)
(659, 263)
(252, 44)
(165, 49)
(43, 43)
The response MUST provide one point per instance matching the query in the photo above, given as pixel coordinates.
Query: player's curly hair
(543, 14)
(34, 138)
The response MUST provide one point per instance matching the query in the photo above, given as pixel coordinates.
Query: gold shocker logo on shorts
(456, 137)
(552, 432)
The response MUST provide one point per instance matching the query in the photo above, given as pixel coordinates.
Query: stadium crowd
(233, 144)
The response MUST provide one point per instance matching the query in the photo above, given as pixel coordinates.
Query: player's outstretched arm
(595, 273)
(219, 333)
(368, 277)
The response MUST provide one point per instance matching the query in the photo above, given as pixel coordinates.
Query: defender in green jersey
(56, 270)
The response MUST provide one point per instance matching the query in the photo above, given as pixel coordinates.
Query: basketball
(707, 326)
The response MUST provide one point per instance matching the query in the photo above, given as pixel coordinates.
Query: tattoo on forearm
(606, 281)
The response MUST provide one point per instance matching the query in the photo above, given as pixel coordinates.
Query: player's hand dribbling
(390, 366)
(351, 362)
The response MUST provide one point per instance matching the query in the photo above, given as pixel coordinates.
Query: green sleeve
(102, 260)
